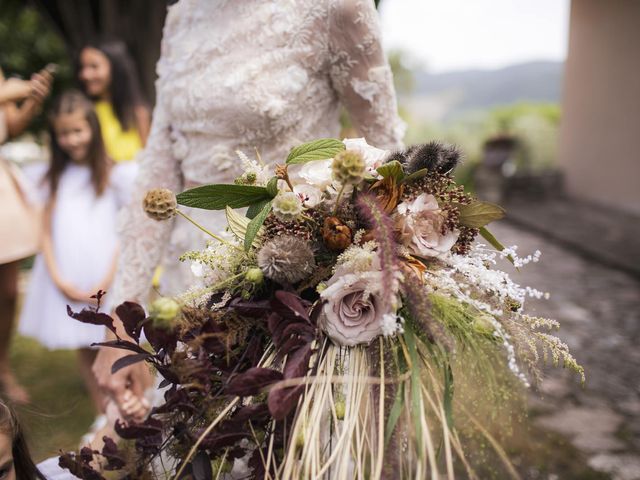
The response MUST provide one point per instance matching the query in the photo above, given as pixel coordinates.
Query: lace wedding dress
(249, 75)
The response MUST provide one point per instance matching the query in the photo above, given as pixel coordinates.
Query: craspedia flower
(286, 259)
(160, 204)
(287, 206)
(163, 311)
(348, 167)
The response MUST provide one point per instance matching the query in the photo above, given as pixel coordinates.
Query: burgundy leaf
(160, 339)
(250, 309)
(201, 466)
(298, 362)
(276, 325)
(133, 430)
(292, 303)
(86, 454)
(214, 441)
(77, 467)
(122, 344)
(168, 374)
(282, 400)
(128, 360)
(253, 381)
(132, 316)
(300, 330)
(115, 458)
(255, 413)
(92, 317)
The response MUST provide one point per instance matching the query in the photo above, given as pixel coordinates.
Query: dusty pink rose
(354, 309)
(419, 224)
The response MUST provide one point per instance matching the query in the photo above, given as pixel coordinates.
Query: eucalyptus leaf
(415, 175)
(219, 196)
(255, 224)
(392, 169)
(272, 187)
(321, 149)
(479, 214)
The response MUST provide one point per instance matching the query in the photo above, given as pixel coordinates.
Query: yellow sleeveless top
(121, 146)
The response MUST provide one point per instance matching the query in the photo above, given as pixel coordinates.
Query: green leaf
(488, 236)
(219, 196)
(415, 176)
(237, 223)
(256, 208)
(321, 149)
(410, 339)
(448, 396)
(479, 214)
(272, 187)
(392, 169)
(254, 226)
(394, 414)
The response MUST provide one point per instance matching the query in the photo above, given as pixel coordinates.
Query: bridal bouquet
(328, 325)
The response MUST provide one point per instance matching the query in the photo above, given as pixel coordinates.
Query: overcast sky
(449, 35)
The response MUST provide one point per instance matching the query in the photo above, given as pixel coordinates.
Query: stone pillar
(600, 128)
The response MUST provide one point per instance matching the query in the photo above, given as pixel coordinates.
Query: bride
(250, 75)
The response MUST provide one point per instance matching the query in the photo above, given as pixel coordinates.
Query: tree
(138, 23)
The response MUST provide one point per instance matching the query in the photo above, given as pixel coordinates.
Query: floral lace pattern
(248, 75)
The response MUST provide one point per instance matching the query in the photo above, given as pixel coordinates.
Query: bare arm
(143, 123)
(19, 117)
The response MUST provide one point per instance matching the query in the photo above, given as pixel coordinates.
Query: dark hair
(97, 159)
(22, 461)
(125, 90)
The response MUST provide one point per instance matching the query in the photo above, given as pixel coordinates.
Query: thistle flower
(286, 259)
(348, 167)
(434, 156)
(160, 204)
(287, 206)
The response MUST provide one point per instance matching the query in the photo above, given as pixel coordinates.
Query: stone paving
(599, 310)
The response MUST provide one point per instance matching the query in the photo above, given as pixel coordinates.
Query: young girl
(108, 77)
(15, 460)
(83, 193)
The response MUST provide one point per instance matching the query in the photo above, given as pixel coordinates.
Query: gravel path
(599, 310)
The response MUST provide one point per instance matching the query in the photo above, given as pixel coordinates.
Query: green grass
(61, 410)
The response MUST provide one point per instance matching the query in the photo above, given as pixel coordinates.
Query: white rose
(317, 173)
(419, 224)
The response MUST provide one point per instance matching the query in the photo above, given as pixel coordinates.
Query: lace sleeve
(361, 74)
(142, 239)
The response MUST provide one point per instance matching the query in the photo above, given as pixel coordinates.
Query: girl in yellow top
(108, 76)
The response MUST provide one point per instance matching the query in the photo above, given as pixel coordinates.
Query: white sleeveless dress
(83, 231)
(247, 75)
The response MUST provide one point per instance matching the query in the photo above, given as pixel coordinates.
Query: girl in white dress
(83, 193)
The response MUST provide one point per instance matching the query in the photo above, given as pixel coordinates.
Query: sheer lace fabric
(246, 75)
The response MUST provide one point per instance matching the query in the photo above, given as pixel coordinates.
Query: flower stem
(211, 234)
(335, 210)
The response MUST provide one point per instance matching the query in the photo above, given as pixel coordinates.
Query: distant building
(600, 128)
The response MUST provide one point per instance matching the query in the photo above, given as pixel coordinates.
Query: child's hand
(15, 89)
(133, 407)
(41, 85)
(74, 294)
